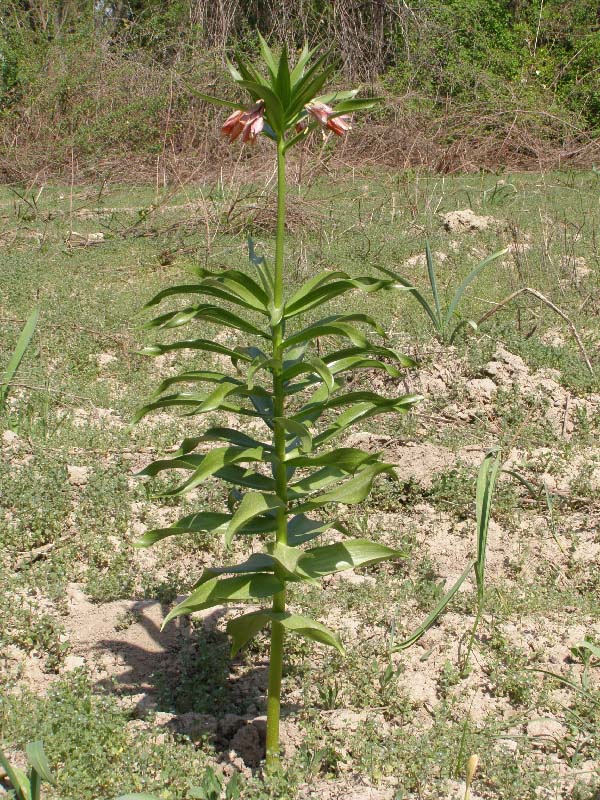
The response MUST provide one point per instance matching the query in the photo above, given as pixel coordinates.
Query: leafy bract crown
(288, 92)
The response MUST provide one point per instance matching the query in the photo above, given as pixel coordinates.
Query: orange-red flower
(247, 123)
(339, 125)
(232, 126)
(322, 113)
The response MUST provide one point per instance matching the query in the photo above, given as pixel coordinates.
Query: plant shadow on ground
(183, 668)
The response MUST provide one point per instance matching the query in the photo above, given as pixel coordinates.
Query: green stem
(478, 613)
(280, 235)
(277, 335)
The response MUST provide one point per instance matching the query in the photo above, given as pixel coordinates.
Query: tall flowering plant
(278, 378)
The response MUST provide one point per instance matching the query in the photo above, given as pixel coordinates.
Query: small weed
(507, 669)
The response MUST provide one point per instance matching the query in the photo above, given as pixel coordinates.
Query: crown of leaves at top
(287, 91)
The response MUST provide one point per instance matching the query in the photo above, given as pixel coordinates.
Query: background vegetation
(103, 86)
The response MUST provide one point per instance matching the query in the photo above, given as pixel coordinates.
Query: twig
(119, 339)
(14, 385)
(566, 416)
(550, 304)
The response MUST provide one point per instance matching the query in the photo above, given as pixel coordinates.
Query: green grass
(70, 409)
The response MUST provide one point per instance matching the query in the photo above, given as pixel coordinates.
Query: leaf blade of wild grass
(566, 682)
(434, 615)
(486, 483)
(433, 284)
(39, 762)
(467, 282)
(406, 284)
(18, 780)
(18, 353)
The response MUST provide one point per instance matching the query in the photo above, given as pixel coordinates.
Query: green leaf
(18, 353)
(196, 403)
(265, 275)
(245, 628)
(249, 73)
(349, 554)
(18, 779)
(355, 104)
(298, 137)
(283, 78)
(468, 280)
(217, 101)
(35, 784)
(348, 459)
(218, 396)
(301, 529)
(197, 376)
(242, 285)
(273, 108)
(206, 345)
(261, 362)
(298, 70)
(324, 293)
(220, 434)
(352, 491)
(313, 409)
(210, 313)
(217, 591)
(301, 82)
(406, 285)
(320, 479)
(321, 279)
(239, 476)
(286, 556)
(435, 614)
(37, 759)
(311, 84)
(200, 522)
(362, 411)
(312, 366)
(299, 431)
(268, 56)
(349, 363)
(203, 465)
(356, 362)
(253, 504)
(433, 283)
(137, 797)
(337, 96)
(332, 359)
(173, 291)
(231, 285)
(313, 332)
(233, 71)
(258, 562)
(486, 483)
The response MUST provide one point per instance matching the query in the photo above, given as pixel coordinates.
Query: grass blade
(486, 483)
(435, 614)
(18, 780)
(406, 284)
(19, 352)
(468, 280)
(433, 284)
(39, 762)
